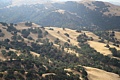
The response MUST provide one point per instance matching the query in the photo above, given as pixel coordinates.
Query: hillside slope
(98, 74)
(32, 51)
(75, 15)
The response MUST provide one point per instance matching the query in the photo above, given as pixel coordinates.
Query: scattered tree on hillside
(25, 33)
(79, 31)
(2, 34)
(28, 24)
(30, 38)
(57, 41)
(107, 46)
(66, 45)
(4, 24)
(68, 40)
(66, 34)
(115, 52)
(63, 28)
(11, 28)
(58, 32)
(51, 29)
(46, 33)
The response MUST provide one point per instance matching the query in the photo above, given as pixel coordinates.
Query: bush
(2, 34)
(66, 34)
(40, 36)
(25, 33)
(114, 52)
(28, 24)
(68, 40)
(3, 52)
(57, 41)
(51, 29)
(30, 38)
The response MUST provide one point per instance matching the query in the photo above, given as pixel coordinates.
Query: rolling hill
(74, 15)
(29, 50)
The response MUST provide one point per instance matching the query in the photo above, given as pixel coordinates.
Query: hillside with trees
(59, 53)
(92, 15)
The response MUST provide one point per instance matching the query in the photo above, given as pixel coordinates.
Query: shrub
(66, 34)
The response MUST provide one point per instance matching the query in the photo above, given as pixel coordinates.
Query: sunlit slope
(7, 34)
(117, 35)
(60, 34)
(100, 47)
(98, 74)
(21, 26)
(91, 34)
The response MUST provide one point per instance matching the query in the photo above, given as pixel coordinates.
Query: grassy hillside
(98, 74)
(29, 51)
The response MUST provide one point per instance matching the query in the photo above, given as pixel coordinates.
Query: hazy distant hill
(28, 2)
(116, 3)
(4, 3)
(92, 14)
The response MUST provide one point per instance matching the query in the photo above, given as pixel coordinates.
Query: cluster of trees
(17, 37)
(29, 24)
(11, 28)
(115, 52)
(10, 54)
(39, 31)
(110, 36)
(4, 24)
(83, 38)
(82, 71)
(32, 68)
(1, 34)
(57, 41)
(66, 34)
(99, 60)
(25, 33)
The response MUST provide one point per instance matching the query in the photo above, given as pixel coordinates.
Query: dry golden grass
(72, 33)
(7, 34)
(100, 47)
(21, 26)
(97, 74)
(117, 35)
(53, 34)
(18, 52)
(34, 36)
(34, 54)
(47, 74)
(71, 52)
(90, 34)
